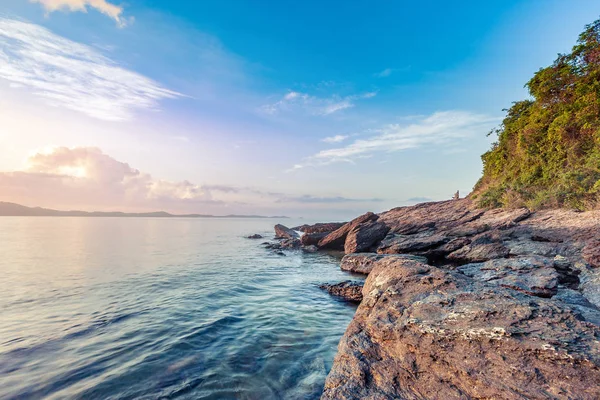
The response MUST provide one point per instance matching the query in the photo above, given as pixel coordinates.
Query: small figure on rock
(456, 196)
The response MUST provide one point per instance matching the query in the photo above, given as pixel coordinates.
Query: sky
(307, 109)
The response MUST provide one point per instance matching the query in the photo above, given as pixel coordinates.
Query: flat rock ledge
(423, 332)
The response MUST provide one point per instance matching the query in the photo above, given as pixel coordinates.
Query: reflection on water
(161, 308)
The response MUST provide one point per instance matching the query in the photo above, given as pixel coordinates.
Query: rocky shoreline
(465, 303)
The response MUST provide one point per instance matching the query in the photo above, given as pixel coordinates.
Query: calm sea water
(113, 308)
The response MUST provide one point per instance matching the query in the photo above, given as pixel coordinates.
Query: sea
(163, 308)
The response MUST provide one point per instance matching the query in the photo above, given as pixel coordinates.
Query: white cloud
(439, 128)
(111, 10)
(385, 73)
(334, 139)
(87, 178)
(73, 75)
(314, 105)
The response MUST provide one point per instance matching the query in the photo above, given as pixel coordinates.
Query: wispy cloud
(385, 73)
(314, 105)
(389, 71)
(439, 128)
(334, 139)
(73, 75)
(322, 200)
(111, 10)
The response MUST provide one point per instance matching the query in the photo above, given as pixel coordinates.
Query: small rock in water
(255, 236)
(348, 290)
(310, 249)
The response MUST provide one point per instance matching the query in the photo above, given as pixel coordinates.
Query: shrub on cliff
(548, 148)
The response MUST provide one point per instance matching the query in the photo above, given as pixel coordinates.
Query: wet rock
(348, 290)
(532, 275)
(336, 239)
(255, 236)
(290, 243)
(273, 246)
(426, 333)
(326, 227)
(311, 238)
(364, 236)
(283, 232)
(363, 263)
(310, 249)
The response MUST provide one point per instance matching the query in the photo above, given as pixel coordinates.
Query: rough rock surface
(336, 239)
(348, 290)
(323, 227)
(533, 275)
(422, 332)
(363, 263)
(509, 307)
(283, 232)
(363, 236)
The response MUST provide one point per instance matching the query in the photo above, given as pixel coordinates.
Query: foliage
(548, 148)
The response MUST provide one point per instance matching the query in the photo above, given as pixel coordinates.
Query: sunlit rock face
(425, 333)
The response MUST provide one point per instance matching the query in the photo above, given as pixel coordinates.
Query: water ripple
(181, 309)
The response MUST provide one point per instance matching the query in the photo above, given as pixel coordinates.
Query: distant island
(18, 210)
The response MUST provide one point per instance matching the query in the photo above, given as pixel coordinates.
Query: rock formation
(363, 236)
(326, 227)
(337, 239)
(283, 232)
(465, 303)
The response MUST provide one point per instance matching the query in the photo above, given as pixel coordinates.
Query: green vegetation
(548, 148)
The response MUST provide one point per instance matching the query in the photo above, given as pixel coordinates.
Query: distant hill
(547, 153)
(17, 210)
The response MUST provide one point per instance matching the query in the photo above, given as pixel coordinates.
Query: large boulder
(422, 332)
(283, 232)
(336, 239)
(348, 290)
(363, 237)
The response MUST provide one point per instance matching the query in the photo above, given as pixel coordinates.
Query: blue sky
(299, 108)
